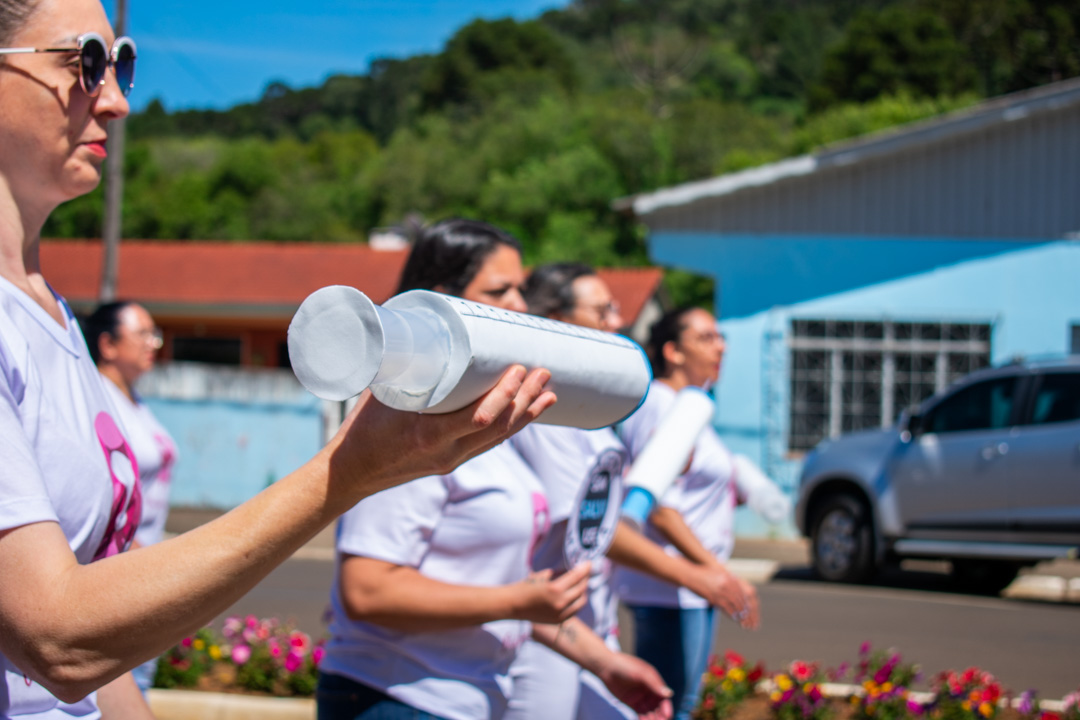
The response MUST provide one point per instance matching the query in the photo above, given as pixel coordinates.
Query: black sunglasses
(95, 57)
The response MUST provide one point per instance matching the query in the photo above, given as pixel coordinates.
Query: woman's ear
(673, 357)
(106, 347)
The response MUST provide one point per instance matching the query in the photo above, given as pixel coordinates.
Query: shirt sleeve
(395, 525)
(24, 499)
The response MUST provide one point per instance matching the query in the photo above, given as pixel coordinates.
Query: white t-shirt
(155, 454)
(476, 526)
(64, 459)
(564, 458)
(705, 497)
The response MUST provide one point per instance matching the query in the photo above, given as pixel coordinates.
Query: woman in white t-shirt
(123, 340)
(435, 592)
(566, 459)
(673, 626)
(77, 612)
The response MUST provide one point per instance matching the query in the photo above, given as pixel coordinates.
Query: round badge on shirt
(595, 513)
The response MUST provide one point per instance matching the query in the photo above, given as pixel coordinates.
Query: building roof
(257, 279)
(952, 128)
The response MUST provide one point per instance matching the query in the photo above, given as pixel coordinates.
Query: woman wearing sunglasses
(76, 613)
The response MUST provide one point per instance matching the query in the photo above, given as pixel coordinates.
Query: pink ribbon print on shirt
(126, 507)
(541, 523)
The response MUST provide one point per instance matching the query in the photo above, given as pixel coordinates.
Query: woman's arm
(73, 627)
(122, 700)
(630, 679)
(399, 597)
(734, 596)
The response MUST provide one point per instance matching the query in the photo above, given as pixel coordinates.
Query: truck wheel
(842, 540)
(985, 577)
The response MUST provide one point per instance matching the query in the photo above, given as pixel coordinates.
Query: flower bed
(880, 689)
(248, 655)
(267, 657)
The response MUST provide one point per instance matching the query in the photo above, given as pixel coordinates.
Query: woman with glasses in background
(76, 611)
(673, 626)
(123, 342)
(565, 459)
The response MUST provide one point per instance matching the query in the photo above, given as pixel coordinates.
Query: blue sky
(206, 53)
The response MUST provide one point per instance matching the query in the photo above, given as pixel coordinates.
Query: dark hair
(666, 329)
(450, 253)
(105, 320)
(549, 289)
(13, 15)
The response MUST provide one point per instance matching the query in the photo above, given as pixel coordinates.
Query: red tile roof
(257, 278)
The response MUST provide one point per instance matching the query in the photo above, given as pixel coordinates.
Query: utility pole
(114, 188)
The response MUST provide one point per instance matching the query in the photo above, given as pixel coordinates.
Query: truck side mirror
(912, 426)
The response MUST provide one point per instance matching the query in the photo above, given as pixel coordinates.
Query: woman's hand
(541, 599)
(378, 447)
(637, 684)
(735, 597)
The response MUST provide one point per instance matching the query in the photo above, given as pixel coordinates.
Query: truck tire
(842, 540)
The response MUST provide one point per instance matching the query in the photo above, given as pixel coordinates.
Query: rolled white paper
(666, 453)
(762, 495)
(428, 352)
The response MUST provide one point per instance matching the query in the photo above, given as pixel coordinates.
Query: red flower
(969, 675)
(755, 674)
(802, 671)
(733, 658)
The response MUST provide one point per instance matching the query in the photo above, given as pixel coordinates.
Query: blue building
(854, 282)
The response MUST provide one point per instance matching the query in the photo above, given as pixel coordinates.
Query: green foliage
(892, 51)
(538, 126)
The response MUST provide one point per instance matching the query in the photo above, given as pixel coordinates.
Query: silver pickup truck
(985, 474)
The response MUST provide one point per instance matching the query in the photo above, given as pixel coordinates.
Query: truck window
(1058, 399)
(984, 406)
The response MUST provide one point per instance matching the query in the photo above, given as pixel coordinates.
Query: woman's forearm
(637, 552)
(671, 525)
(401, 598)
(575, 641)
(74, 628)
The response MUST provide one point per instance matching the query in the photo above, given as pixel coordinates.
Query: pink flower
(251, 621)
(232, 627)
(317, 655)
(299, 640)
(802, 671)
(294, 661)
(274, 647)
(864, 649)
(241, 654)
(914, 708)
(186, 642)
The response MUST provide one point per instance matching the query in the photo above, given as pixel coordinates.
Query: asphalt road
(1025, 644)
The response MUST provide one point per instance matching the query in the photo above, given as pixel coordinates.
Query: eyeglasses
(604, 309)
(94, 60)
(153, 338)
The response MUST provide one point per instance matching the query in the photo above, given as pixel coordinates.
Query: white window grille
(852, 375)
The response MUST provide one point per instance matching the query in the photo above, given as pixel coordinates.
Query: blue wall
(229, 451)
(757, 272)
(1031, 296)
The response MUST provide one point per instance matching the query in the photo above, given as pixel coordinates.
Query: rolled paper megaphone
(762, 495)
(433, 353)
(664, 457)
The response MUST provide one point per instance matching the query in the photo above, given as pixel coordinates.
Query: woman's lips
(97, 148)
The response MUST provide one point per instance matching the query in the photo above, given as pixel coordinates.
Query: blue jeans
(339, 698)
(676, 642)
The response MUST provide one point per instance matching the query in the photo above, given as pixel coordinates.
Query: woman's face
(699, 351)
(594, 306)
(52, 133)
(132, 349)
(499, 280)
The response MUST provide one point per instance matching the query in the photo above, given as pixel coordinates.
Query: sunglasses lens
(125, 67)
(95, 59)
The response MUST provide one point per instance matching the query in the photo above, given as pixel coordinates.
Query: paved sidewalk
(1050, 581)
